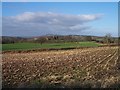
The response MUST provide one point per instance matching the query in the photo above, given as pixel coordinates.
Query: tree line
(58, 39)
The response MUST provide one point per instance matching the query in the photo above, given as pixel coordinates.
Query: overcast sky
(35, 19)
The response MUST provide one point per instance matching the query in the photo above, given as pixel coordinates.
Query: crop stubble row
(97, 63)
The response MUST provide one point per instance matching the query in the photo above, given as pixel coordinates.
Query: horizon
(59, 35)
(38, 19)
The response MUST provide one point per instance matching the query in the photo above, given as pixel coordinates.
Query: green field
(28, 46)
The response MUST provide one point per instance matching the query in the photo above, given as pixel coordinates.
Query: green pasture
(28, 46)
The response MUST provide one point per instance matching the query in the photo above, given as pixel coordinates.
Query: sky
(63, 18)
(0, 19)
(60, 0)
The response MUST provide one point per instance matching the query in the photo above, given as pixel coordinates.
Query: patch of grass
(28, 46)
(88, 44)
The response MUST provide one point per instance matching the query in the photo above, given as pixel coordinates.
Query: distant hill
(9, 39)
(54, 38)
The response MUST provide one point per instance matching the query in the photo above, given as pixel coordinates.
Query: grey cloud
(30, 23)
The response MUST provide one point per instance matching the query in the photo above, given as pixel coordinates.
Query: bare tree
(108, 38)
(88, 38)
(41, 40)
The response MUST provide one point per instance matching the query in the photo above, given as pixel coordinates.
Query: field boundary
(51, 49)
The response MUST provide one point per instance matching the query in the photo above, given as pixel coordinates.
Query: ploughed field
(90, 67)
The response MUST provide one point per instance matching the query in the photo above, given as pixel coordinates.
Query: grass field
(27, 46)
